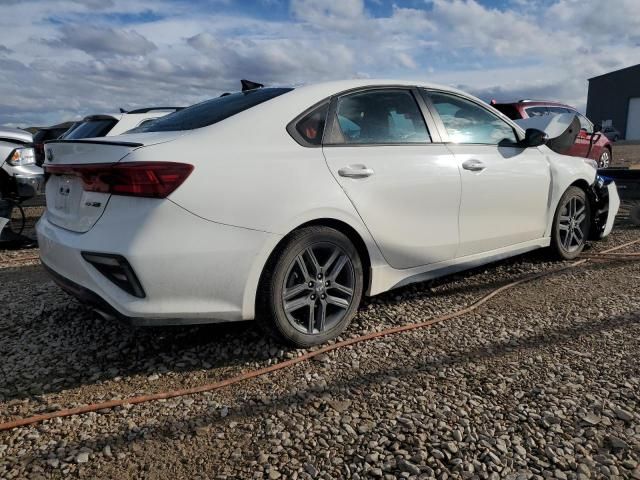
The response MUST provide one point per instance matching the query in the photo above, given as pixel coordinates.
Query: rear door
(505, 187)
(402, 180)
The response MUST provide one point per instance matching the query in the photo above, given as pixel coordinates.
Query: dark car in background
(48, 133)
(612, 133)
(590, 143)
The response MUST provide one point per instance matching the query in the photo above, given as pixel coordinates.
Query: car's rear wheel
(571, 224)
(605, 159)
(311, 289)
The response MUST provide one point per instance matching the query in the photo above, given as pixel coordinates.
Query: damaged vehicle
(20, 177)
(590, 142)
(288, 205)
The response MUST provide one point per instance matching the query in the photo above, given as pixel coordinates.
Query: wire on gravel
(288, 363)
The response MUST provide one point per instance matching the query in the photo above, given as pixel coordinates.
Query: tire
(571, 224)
(293, 287)
(605, 158)
(12, 210)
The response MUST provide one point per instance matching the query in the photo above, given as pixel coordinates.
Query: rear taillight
(134, 179)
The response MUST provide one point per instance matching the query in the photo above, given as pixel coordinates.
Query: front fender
(565, 171)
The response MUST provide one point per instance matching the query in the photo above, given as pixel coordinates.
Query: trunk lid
(68, 205)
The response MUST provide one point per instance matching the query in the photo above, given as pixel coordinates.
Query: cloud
(70, 58)
(104, 41)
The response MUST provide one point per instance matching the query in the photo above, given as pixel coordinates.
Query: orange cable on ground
(287, 363)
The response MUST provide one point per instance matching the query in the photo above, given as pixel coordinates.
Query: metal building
(614, 99)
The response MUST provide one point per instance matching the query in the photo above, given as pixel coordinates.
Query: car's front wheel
(312, 288)
(571, 224)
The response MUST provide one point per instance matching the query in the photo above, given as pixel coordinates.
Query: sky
(64, 59)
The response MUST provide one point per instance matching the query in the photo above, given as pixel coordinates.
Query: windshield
(211, 111)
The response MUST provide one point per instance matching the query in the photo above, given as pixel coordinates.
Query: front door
(505, 187)
(405, 187)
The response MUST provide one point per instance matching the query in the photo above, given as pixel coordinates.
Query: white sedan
(288, 205)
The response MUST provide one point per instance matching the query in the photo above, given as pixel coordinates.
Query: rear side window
(211, 111)
(379, 117)
(91, 129)
(311, 126)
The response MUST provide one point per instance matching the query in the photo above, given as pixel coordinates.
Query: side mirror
(597, 128)
(534, 137)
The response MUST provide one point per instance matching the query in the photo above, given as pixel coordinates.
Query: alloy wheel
(605, 158)
(572, 224)
(318, 288)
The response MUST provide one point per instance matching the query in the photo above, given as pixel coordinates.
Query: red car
(600, 150)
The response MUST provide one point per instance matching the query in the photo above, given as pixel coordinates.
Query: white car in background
(288, 205)
(111, 124)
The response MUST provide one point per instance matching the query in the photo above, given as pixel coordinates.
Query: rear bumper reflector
(117, 270)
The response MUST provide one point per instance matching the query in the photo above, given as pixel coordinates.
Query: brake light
(134, 179)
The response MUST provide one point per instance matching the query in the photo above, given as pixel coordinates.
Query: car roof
(333, 87)
(536, 103)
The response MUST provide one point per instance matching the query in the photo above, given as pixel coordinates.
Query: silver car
(20, 177)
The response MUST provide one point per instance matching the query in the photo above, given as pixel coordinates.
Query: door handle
(356, 171)
(473, 165)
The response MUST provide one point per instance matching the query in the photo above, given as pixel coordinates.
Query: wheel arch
(336, 224)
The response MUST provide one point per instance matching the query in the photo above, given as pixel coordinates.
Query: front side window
(467, 122)
(379, 117)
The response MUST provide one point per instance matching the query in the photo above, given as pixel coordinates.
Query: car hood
(17, 134)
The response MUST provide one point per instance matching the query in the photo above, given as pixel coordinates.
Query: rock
(372, 457)
(592, 419)
(407, 466)
(82, 457)
(377, 473)
(617, 443)
(623, 414)
(311, 469)
(339, 405)
(437, 454)
(520, 450)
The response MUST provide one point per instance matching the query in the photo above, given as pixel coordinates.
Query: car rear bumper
(192, 270)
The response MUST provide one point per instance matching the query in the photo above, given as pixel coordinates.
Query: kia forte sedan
(288, 205)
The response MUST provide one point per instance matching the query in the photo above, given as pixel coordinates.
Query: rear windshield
(211, 111)
(509, 110)
(91, 129)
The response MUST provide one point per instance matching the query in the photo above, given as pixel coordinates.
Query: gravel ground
(541, 382)
(626, 154)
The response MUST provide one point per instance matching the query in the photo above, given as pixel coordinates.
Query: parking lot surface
(542, 381)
